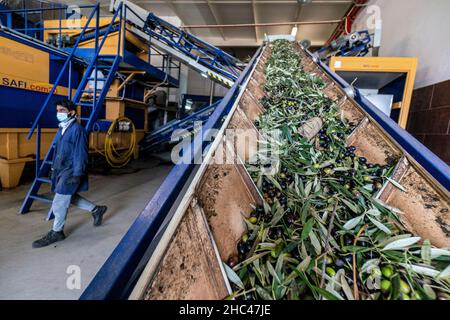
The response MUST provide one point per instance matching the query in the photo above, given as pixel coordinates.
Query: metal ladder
(90, 106)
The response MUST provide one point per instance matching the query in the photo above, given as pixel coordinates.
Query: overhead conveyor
(176, 247)
(205, 58)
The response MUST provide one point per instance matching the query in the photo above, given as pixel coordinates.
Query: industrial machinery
(177, 246)
(387, 82)
(356, 44)
(118, 62)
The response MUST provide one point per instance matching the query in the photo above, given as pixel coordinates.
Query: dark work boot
(49, 238)
(98, 213)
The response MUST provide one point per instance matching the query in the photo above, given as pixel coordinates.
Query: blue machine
(356, 44)
(201, 56)
(157, 139)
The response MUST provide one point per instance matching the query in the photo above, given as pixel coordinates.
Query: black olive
(362, 160)
(248, 296)
(339, 263)
(370, 166)
(248, 246)
(348, 240)
(348, 258)
(242, 249)
(254, 214)
(260, 210)
(364, 244)
(232, 261)
(351, 149)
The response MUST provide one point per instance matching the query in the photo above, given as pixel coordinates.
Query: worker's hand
(74, 180)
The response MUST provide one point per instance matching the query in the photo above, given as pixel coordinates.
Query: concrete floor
(27, 273)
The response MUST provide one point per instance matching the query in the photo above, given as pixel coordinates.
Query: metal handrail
(61, 73)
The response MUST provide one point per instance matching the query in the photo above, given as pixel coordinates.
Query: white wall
(201, 86)
(414, 28)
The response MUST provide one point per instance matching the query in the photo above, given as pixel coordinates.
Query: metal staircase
(90, 96)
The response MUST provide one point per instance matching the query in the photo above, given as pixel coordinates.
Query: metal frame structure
(115, 277)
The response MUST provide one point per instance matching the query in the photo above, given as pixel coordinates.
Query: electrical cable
(115, 157)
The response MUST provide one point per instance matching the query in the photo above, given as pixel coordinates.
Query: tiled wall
(429, 118)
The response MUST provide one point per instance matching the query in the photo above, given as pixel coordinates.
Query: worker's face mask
(62, 116)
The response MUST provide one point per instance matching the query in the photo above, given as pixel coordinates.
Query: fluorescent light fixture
(294, 31)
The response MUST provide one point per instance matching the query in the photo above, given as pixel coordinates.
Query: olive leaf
(401, 244)
(379, 225)
(373, 212)
(263, 293)
(425, 252)
(232, 276)
(272, 271)
(352, 223)
(307, 229)
(346, 288)
(315, 242)
(395, 238)
(426, 271)
(429, 291)
(436, 253)
(445, 274)
(350, 205)
(396, 184)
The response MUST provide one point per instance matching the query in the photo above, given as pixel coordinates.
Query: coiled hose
(119, 158)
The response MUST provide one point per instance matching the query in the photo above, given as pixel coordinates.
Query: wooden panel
(190, 269)
(425, 211)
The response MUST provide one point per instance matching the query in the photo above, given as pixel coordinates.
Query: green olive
(330, 271)
(244, 238)
(405, 297)
(416, 296)
(387, 271)
(367, 179)
(385, 285)
(404, 287)
(253, 220)
(316, 166)
(329, 260)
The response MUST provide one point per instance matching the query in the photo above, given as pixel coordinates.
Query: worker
(69, 174)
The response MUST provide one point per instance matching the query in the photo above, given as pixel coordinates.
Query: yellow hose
(117, 158)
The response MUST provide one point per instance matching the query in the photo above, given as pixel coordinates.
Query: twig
(327, 244)
(355, 285)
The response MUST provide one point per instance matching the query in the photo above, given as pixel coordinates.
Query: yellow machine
(27, 72)
(381, 77)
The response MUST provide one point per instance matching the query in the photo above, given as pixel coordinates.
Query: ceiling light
(294, 31)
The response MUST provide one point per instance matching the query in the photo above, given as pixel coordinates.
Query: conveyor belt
(378, 136)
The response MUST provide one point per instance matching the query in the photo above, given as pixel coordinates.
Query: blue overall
(70, 160)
